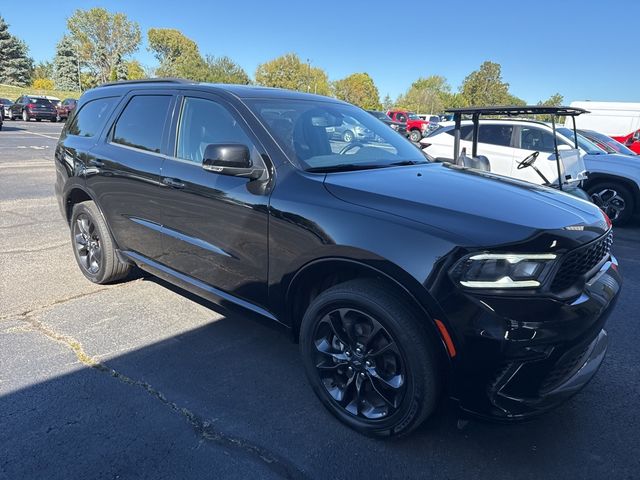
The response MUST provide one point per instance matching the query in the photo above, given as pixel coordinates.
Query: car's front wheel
(25, 116)
(93, 245)
(347, 136)
(615, 200)
(369, 359)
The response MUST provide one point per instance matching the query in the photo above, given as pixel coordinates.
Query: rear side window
(142, 121)
(91, 117)
(496, 134)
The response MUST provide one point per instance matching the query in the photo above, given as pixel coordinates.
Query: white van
(620, 120)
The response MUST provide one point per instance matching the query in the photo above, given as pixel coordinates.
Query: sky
(584, 50)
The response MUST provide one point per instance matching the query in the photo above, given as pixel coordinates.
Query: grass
(12, 93)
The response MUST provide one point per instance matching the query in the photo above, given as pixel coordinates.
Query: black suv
(400, 277)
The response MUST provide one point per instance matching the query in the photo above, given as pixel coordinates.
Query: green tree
(387, 103)
(103, 38)
(426, 95)
(15, 64)
(485, 86)
(287, 71)
(225, 70)
(43, 70)
(178, 55)
(135, 70)
(66, 69)
(555, 100)
(359, 89)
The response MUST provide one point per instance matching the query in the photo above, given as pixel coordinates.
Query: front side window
(204, 122)
(533, 138)
(91, 117)
(141, 123)
(327, 136)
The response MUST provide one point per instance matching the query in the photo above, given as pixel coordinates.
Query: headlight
(425, 126)
(503, 270)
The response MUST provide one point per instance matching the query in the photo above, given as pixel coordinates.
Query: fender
(420, 296)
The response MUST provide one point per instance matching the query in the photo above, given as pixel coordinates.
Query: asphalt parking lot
(139, 380)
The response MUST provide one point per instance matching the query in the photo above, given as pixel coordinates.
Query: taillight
(31, 105)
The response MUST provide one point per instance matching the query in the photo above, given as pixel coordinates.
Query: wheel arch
(78, 194)
(319, 275)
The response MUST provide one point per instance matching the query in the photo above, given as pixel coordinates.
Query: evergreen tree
(15, 65)
(65, 65)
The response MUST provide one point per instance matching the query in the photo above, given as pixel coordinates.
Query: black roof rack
(515, 110)
(148, 80)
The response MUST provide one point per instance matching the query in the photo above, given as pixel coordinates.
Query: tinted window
(205, 122)
(141, 123)
(495, 134)
(91, 117)
(466, 132)
(536, 139)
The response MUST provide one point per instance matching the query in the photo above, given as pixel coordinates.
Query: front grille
(580, 261)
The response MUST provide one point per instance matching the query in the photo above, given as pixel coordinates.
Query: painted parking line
(40, 135)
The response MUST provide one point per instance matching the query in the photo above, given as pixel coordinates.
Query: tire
(347, 136)
(412, 385)
(415, 136)
(38, 119)
(54, 119)
(615, 200)
(25, 116)
(11, 115)
(87, 222)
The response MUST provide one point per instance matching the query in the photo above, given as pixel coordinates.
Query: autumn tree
(15, 64)
(66, 66)
(103, 39)
(288, 71)
(225, 70)
(359, 89)
(135, 71)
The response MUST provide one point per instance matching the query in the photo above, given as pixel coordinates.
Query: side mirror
(230, 159)
(636, 136)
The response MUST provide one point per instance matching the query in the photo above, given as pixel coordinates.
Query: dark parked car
(397, 126)
(400, 277)
(65, 108)
(606, 143)
(32, 106)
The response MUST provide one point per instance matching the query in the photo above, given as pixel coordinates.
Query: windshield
(413, 116)
(585, 144)
(607, 143)
(326, 136)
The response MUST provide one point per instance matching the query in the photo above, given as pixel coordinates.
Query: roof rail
(147, 80)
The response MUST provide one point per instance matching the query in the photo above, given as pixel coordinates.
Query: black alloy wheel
(359, 363)
(369, 358)
(87, 243)
(615, 200)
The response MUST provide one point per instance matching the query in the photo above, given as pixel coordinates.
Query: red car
(65, 108)
(416, 127)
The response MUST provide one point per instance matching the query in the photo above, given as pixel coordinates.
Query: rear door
(124, 171)
(215, 225)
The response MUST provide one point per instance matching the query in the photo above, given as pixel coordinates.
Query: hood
(483, 208)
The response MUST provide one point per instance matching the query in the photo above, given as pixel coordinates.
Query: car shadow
(12, 128)
(231, 398)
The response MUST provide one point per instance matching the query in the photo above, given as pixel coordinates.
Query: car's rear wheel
(615, 200)
(25, 116)
(347, 136)
(369, 359)
(93, 245)
(415, 135)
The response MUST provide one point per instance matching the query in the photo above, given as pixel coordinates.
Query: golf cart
(569, 171)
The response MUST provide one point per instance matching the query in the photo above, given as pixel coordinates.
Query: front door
(530, 139)
(215, 226)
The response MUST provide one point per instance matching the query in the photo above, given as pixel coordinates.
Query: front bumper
(524, 357)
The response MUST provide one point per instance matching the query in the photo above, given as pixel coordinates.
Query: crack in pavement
(202, 427)
(35, 250)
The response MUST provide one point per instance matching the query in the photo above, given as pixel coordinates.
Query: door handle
(172, 182)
